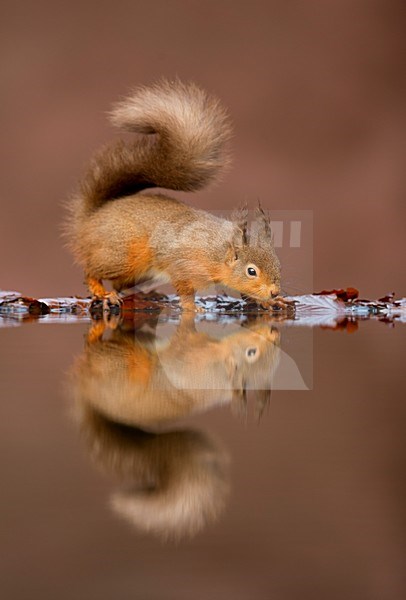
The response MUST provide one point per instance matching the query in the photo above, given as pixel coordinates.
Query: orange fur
(140, 256)
(138, 262)
(95, 286)
(141, 365)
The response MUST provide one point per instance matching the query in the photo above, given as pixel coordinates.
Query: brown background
(315, 88)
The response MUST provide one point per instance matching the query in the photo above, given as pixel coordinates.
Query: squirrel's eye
(251, 272)
(251, 353)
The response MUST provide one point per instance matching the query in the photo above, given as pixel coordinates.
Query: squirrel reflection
(136, 378)
(129, 384)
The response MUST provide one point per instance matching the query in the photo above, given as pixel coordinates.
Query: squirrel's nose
(274, 291)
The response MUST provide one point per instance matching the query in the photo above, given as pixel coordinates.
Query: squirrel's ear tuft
(236, 244)
(231, 254)
(263, 231)
(239, 239)
(240, 220)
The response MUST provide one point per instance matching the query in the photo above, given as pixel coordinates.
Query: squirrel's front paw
(280, 304)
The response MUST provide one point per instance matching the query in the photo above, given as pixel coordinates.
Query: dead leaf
(349, 293)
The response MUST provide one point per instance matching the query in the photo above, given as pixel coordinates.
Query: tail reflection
(174, 482)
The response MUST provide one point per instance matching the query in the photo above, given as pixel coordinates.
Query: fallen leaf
(349, 293)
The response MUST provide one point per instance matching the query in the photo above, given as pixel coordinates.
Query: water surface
(167, 459)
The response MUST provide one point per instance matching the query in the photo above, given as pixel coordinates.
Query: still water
(174, 458)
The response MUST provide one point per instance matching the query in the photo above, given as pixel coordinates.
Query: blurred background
(316, 91)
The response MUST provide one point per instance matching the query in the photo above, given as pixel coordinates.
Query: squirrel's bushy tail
(188, 151)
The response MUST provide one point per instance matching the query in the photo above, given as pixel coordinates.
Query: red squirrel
(122, 233)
